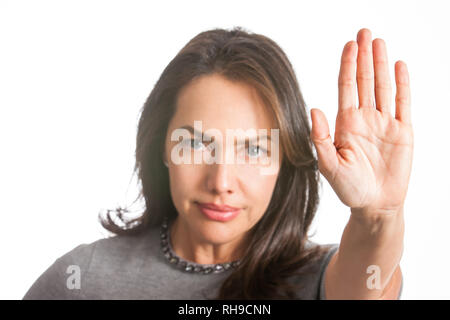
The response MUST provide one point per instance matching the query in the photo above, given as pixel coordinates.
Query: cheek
(259, 190)
(183, 180)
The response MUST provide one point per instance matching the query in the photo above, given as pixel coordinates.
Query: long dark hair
(276, 251)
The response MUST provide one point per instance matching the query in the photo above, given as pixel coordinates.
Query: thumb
(320, 136)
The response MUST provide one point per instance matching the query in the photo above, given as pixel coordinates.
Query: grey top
(126, 267)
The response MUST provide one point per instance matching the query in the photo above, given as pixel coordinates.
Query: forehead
(221, 103)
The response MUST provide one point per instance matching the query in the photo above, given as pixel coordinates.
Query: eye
(255, 151)
(195, 144)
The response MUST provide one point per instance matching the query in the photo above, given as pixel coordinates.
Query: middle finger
(364, 71)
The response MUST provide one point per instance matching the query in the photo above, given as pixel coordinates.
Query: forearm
(366, 242)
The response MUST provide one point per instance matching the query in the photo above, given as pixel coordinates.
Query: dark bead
(207, 270)
(198, 269)
(183, 264)
(168, 255)
(163, 235)
(226, 266)
(173, 260)
(218, 268)
(164, 242)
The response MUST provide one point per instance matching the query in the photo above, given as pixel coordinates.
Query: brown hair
(276, 251)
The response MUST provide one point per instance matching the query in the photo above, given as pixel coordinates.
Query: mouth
(218, 212)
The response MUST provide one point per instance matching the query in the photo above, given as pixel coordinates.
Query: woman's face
(220, 104)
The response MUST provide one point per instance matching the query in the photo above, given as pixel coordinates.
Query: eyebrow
(199, 133)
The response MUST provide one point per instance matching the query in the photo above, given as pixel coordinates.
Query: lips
(218, 212)
(215, 207)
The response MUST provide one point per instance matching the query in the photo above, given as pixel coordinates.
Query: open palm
(369, 163)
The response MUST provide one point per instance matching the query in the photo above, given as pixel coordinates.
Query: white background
(74, 75)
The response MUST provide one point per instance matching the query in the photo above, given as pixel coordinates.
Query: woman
(214, 227)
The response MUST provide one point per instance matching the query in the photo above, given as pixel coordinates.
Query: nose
(221, 178)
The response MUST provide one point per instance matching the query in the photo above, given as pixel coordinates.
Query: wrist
(377, 224)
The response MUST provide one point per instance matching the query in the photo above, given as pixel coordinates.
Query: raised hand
(369, 163)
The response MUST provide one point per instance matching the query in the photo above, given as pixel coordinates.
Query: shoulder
(83, 265)
(327, 251)
(313, 280)
(330, 250)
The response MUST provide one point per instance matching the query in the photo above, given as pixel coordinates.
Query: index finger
(347, 76)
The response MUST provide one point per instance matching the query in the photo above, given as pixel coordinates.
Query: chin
(217, 232)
